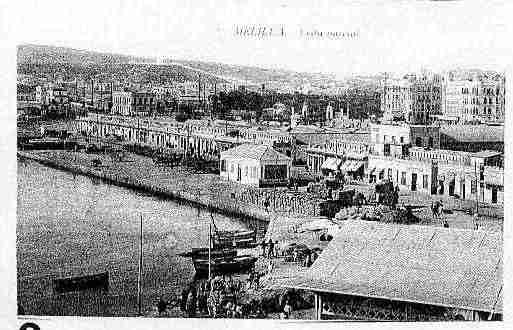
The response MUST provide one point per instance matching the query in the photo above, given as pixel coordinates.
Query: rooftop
(474, 133)
(486, 153)
(421, 264)
(255, 151)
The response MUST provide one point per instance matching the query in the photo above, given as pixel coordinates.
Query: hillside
(69, 63)
(51, 54)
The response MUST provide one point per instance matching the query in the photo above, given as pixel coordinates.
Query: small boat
(238, 234)
(225, 265)
(70, 284)
(202, 253)
(234, 239)
(237, 243)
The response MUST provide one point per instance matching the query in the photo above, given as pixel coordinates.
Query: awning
(351, 166)
(494, 177)
(447, 176)
(356, 156)
(332, 164)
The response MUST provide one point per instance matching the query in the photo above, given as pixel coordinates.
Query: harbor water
(71, 225)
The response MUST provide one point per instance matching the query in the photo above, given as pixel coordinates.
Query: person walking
(270, 250)
(162, 306)
(287, 309)
(263, 248)
(191, 304)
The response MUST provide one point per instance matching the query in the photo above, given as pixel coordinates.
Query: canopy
(316, 225)
(332, 164)
(351, 166)
(494, 177)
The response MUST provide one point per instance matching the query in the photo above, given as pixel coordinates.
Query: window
(402, 139)
(430, 143)
(473, 186)
(418, 141)
(223, 165)
(232, 168)
(425, 181)
(386, 149)
(390, 173)
(245, 171)
(403, 178)
(274, 172)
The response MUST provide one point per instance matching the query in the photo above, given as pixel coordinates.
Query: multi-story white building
(396, 98)
(474, 98)
(52, 95)
(133, 103)
(414, 99)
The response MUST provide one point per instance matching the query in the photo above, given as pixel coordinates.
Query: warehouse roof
(421, 264)
(255, 151)
(474, 133)
(486, 153)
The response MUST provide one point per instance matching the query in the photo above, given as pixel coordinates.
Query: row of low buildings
(419, 158)
(427, 98)
(416, 157)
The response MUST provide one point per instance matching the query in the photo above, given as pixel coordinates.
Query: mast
(209, 251)
(477, 191)
(139, 274)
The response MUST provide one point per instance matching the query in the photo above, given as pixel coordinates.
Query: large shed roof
(474, 133)
(422, 264)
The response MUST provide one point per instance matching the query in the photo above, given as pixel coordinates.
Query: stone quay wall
(205, 190)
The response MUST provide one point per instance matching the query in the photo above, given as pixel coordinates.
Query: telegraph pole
(139, 273)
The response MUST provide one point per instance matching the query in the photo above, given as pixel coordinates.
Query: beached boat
(79, 283)
(224, 265)
(238, 234)
(234, 239)
(202, 253)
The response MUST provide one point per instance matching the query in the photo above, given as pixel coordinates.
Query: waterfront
(71, 225)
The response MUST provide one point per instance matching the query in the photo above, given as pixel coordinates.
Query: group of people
(437, 209)
(216, 298)
(270, 249)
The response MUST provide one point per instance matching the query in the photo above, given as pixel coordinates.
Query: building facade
(416, 99)
(133, 103)
(255, 165)
(474, 98)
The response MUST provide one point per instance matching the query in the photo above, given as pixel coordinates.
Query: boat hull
(202, 253)
(225, 266)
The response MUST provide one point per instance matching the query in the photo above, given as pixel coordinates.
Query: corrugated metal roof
(255, 151)
(422, 264)
(486, 153)
(474, 133)
(332, 164)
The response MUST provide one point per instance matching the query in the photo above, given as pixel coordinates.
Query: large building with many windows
(416, 99)
(133, 103)
(474, 98)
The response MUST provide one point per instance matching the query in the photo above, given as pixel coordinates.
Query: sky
(393, 36)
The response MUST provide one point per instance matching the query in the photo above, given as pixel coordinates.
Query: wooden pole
(139, 276)
(477, 189)
(209, 251)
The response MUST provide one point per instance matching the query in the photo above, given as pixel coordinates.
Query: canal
(71, 225)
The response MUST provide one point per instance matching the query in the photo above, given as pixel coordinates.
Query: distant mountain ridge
(29, 53)
(44, 54)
